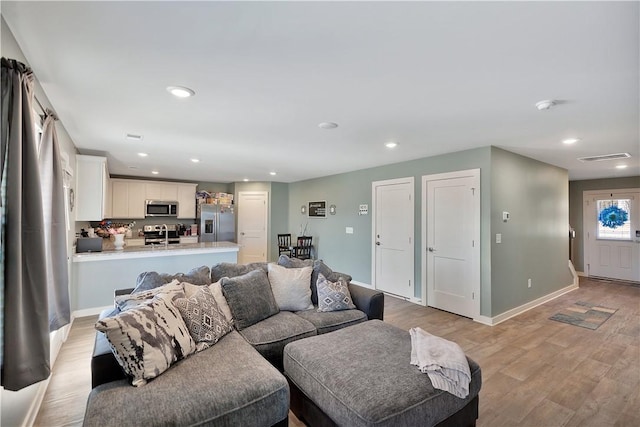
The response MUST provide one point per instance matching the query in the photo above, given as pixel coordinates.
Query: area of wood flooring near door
(536, 372)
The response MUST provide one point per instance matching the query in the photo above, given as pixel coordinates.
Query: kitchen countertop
(158, 251)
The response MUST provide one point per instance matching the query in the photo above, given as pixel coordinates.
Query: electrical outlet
(529, 283)
(498, 238)
(349, 230)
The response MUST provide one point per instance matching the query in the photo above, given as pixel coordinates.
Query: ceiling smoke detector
(545, 105)
(328, 125)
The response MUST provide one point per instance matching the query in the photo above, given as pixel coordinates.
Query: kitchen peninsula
(98, 274)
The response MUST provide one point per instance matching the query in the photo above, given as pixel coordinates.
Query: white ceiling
(435, 77)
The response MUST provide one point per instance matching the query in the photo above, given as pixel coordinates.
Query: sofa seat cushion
(271, 335)
(333, 320)
(226, 384)
(361, 376)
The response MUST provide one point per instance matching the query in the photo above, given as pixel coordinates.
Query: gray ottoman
(361, 376)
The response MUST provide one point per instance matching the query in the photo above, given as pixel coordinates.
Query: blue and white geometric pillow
(333, 296)
(203, 317)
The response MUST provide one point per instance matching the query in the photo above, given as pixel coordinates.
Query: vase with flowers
(117, 230)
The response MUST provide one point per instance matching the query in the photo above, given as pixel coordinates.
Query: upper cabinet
(128, 198)
(93, 193)
(186, 200)
(164, 191)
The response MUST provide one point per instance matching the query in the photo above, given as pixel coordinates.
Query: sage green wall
(535, 241)
(351, 253)
(576, 188)
(279, 216)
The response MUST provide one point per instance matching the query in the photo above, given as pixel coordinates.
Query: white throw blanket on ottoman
(443, 361)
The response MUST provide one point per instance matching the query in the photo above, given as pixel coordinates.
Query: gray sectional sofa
(237, 381)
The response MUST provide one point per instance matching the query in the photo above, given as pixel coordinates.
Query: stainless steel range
(155, 234)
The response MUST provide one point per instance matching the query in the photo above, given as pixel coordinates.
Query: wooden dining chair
(303, 247)
(284, 245)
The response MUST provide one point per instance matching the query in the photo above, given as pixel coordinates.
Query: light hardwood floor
(536, 372)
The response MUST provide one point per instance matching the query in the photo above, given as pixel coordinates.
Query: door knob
(242, 233)
(377, 243)
(431, 249)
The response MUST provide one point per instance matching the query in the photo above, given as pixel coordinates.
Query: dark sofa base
(309, 413)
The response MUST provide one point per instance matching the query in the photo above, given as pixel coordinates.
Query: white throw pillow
(290, 287)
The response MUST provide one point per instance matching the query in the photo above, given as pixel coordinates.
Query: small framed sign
(318, 209)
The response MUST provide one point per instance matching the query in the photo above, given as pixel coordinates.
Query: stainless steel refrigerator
(216, 223)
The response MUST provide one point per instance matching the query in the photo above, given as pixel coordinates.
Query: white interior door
(393, 248)
(612, 234)
(453, 242)
(253, 214)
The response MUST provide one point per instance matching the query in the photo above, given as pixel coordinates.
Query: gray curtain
(55, 227)
(25, 323)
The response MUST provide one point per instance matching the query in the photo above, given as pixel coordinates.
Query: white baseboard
(582, 274)
(492, 321)
(89, 311)
(30, 419)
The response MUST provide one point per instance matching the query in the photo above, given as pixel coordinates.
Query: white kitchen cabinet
(93, 193)
(128, 198)
(164, 191)
(186, 201)
(133, 242)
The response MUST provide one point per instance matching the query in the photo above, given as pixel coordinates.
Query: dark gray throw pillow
(250, 298)
(287, 262)
(152, 279)
(228, 269)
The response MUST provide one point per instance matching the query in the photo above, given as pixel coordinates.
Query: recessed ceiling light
(391, 144)
(142, 154)
(272, 173)
(246, 180)
(328, 125)
(155, 172)
(134, 137)
(194, 160)
(621, 167)
(180, 91)
(570, 141)
(545, 105)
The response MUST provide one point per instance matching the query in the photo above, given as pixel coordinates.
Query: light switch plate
(498, 238)
(348, 230)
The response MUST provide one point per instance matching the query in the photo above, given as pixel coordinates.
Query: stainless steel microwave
(160, 208)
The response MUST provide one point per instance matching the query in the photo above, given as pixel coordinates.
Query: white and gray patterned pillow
(216, 289)
(206, 322)
(148, 339)
(333, 296)
(129, 301)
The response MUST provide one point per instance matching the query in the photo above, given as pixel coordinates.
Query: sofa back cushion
(250, 298)
(152, 279)
(227, 269)
(290, 287)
